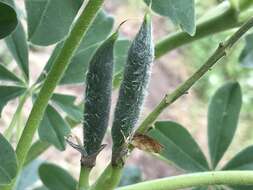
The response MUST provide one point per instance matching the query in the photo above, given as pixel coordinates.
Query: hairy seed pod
(98, 97)
(133, 87)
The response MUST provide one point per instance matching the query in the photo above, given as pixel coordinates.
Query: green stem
(195, 180)
(9, 130)
(109, 179)
(221, 22)
(83, 183)
(220, 52)
(54, 76)
(19, 125)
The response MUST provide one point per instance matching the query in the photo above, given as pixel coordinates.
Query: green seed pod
(98, 97)
(133, 87)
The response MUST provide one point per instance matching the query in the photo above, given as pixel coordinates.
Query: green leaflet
(8, 161)
(241, 161)
(133, 87)
(7, 75)
(53, 129)
(17, 45)
(179, 146)
(223, 115)
(181, 12)
(98, 95)
(56, 178)
(37, 148)
(8, 20)
(49, 21)
(8, 93)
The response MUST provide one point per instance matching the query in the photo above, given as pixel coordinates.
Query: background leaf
(8, 20)
(179, 146)
(120, 54)
(8, 161)
(223, 114)
(50, 17)
(8, 93)
(246, 56)
(7, 75)
(56, 178)
(98, 31)
(120, 57)
(53, 129)
(181, 12)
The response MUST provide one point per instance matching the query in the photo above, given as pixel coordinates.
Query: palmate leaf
(8, 19)
(17, 44)
(97, 32)
(53, 129)
(8, 93)
(8, 162)
(181, 12)
(179, 146)
(49, 21)
(223, 115)
(56, 178)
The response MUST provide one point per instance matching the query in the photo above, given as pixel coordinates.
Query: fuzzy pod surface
(98, 96)
(134, 85)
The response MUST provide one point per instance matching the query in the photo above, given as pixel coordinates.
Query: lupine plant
(89, 51)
